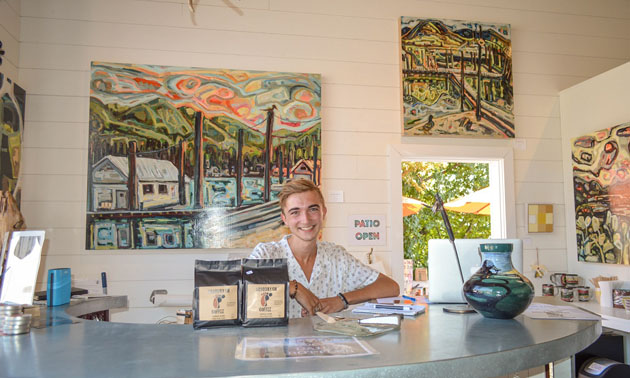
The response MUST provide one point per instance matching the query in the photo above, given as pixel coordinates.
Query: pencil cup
(548, 290)
(566, 294)
(584, 293)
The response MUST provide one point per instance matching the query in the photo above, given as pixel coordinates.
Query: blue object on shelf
(59, 287)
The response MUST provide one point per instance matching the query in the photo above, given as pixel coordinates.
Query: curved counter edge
(481, 366)
(430, 345)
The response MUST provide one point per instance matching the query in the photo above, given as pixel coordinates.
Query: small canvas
(539, 218)
(21, 254)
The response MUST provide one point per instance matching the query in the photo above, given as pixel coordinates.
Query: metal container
(15, 324)
(17, 319)
(15, 331)
(6, 308)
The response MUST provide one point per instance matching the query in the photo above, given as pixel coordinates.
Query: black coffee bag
(265, 292)
(217, 296)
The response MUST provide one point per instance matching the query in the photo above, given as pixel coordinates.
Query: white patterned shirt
(335, 270)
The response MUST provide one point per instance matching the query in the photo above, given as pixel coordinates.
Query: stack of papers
(379, 308)
(546, 311)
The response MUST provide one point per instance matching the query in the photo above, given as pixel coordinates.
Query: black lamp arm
(439, 206)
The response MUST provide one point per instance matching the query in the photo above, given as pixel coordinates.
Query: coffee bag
(217, 295)
(265, 292)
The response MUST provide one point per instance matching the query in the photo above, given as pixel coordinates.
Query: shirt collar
(292, 261)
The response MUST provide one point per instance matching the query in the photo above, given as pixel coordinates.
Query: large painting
(457, 78)
(194, 158)
(12, 106)
(601, 183)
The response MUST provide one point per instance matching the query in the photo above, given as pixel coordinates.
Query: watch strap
(345, 301)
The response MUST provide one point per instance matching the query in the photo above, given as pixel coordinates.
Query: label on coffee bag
(218, 302)
(265, 301)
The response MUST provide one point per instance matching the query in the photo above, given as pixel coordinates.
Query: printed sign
(265, 301)
(367, 230)
(218, 302)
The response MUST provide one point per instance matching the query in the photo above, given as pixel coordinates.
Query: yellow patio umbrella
(412, 206)
(473, 203)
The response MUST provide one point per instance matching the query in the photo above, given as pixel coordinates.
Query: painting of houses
(601, 185)
(456, 78)
(194, 158)
(158, 184)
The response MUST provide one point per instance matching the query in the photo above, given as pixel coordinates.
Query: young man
(324, 277)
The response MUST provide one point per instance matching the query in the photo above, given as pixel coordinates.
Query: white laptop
(445, 284)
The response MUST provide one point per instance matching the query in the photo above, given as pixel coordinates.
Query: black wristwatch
(344, 300)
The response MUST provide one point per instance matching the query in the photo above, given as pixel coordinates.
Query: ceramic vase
(497, 290)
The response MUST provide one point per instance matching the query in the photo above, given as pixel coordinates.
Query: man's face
(304, 214)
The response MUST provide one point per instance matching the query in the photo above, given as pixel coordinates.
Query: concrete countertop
(430, 345)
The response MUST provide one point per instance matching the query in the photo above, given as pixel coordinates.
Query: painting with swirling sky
(601, 184)
(184, 157)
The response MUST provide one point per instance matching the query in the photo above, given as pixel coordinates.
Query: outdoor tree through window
(421, 181)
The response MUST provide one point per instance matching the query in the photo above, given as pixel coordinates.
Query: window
(169, 239)
(151, 238)
(499, 156)
(104, 199)
(123, 236)
(147, 188)
(162, 189)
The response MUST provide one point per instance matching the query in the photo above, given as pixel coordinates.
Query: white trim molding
(501, 161)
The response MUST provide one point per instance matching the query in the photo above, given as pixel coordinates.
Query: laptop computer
(445, 284)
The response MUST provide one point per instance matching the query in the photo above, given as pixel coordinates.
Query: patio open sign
(367, 230)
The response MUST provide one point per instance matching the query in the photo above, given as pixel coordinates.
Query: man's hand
(332, 304)
(309, 301)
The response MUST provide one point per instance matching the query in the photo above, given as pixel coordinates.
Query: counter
(616, 319)
(430, 345)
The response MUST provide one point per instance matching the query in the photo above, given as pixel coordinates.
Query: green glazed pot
(497, 290)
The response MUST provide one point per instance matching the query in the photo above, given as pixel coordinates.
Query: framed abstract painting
(12, 112)
(601, 185)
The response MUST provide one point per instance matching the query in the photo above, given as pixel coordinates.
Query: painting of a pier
(194, 158)
(456, 78)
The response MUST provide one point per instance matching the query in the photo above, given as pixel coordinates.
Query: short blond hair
(298, 186)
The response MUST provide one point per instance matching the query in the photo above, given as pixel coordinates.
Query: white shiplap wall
(10, 37)
(352, 43)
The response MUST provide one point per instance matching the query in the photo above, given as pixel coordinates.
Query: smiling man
(324, 276)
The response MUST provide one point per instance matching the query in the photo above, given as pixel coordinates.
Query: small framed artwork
(539, 218)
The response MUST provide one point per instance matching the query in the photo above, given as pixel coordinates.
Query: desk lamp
(439, 206)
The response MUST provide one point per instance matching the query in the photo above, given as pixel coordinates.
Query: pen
(409, 298)
(393, 307)
(104, 282)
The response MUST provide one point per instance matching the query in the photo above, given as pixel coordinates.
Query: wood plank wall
(352, 43)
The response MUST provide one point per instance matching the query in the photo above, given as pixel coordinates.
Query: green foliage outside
(421, 180)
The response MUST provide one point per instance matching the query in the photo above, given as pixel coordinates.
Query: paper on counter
(283, 348)
(410, 310)
(547, 311)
